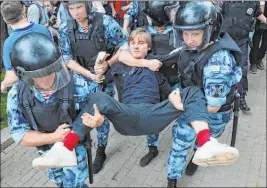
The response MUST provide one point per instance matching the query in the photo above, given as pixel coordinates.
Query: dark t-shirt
(136, 85)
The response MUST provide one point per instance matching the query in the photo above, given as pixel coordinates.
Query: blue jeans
(144, 119)
(184, 137)
(103, 131)
(71, 176)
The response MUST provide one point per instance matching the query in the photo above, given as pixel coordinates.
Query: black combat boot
(153, 152)
(172, 183)
(243, 104)
(191, 168)
(99, 159)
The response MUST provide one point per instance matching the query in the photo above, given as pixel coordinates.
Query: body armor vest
(239, 18)
(192, 63)
(47, 117)
(162, 44)
(84, 46)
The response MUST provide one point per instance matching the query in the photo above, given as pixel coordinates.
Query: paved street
(122, 167)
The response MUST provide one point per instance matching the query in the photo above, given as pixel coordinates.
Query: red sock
(71, 140)
(203, 137)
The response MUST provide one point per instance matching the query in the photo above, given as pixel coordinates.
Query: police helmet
(88, 5)
(160, 11)
(34, 55)
(197, 15)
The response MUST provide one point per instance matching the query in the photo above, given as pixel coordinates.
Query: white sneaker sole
(225, 158)
(68, 164)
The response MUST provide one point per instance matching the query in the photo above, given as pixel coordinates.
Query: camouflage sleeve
(114, 33)
(64, 43)
(132, 11)
(17, 124)
(82, 89)
(219, 75)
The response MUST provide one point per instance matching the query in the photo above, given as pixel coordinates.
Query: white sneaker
(214, 153)
(57, 156)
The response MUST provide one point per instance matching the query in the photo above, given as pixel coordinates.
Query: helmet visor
(53, 77)
(179, 39)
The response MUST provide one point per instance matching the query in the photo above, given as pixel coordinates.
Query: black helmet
(88, 5)
(197, 15)
(35, 55)
(159, 11)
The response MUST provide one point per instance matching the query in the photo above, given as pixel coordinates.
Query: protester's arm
(99, 7)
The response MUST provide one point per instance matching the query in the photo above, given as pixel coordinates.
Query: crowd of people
(180, 61)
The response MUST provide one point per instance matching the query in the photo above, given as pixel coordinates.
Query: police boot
(153, 152)
(191, 168)
(172, 183)
(243, 104)
(99, 159)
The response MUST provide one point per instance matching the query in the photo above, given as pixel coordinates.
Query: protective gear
(162, 44)
(160, 11)
(99, 159)
(59, 112)
(192, 63)
(35, 56)
(239, 18)
(81, 41)
(153, 152)
(194, 16)
(88, 5)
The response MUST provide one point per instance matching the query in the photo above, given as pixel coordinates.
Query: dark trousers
(259, 46)
(144, 119)
(243, 83)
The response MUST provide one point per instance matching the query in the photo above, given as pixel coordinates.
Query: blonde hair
(142, 33)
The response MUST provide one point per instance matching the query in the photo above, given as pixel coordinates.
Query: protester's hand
(114, 13)
(153, 64)
(97, 78)
(3, 88)
(124, 8)
(93, 121)
(61, 132)
(175, 99)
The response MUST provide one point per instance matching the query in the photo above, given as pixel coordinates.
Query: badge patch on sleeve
(217, 90)
(215, 68)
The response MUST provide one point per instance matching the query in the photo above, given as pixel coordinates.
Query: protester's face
(48, 6)
(78, 11)
(193, 38)
(138, 47)
(45, 83)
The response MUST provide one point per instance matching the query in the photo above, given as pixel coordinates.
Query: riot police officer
(81, 39)
(206, 58)
(239, 18)
(41, 103)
